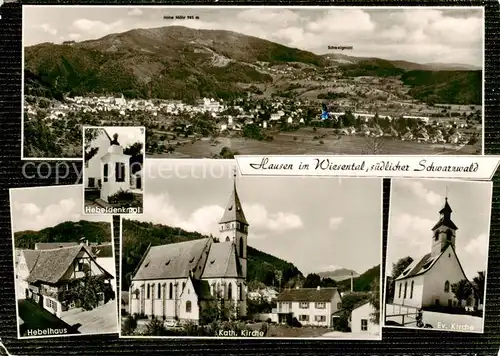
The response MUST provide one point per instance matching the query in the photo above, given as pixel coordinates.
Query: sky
(316, 223)
(414, 210)
(127, 136)
(41, 207)
(422, 35)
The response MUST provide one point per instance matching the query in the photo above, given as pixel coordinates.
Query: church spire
(234, 210)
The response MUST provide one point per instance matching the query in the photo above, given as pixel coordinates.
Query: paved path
(35, 317)
(103, 319)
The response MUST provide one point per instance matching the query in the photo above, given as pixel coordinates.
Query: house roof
(53, 245)
(171, 261)
(307, 295)
(222, 261)
(30, 256)
(51, 265)
(234, 210)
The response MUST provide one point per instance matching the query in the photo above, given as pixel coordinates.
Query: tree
(312, 281)
(375, 301)
(397, 269)
(479, 284)
(155, 327)
(129, 325)
(462, 290)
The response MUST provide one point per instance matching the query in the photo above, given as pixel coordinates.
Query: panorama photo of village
(229, 256)
(214, 83)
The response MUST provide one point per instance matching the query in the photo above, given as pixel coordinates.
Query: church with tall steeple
(427, 280)
(184, 280)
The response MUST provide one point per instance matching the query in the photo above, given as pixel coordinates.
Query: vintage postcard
(213, 82)
(437, 254)
(219, 255)
(113, 174)
(64, 264)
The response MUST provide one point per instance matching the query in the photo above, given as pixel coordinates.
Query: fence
(401, 314)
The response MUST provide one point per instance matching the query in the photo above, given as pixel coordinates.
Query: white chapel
(427, 280)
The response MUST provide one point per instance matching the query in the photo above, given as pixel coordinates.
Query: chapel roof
(222, 261)
(174, 260)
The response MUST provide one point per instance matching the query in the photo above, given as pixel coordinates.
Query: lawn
(35, 317)
(307, 141)
(287, 331)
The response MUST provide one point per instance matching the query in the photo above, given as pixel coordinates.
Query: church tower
(443, 233)
(233, 227)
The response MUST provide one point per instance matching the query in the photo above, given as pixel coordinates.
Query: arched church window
(406, 288)
(228, 239)
(159, 291)
(446, 286)
(436, 235)
(411, 289)
(399, 294)
(230, 291)
(188, 306)
(241, 291)
(148, 293)
(449, 235)
(170, 291)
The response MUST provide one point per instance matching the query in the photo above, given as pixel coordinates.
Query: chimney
(352, 282)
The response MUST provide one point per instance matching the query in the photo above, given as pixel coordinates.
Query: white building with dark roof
(427, 280)
(45, 275)
(180, 280)
(311, 306)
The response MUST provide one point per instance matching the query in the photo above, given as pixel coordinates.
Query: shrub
(129, 325)
(155, 328)
(120, 196)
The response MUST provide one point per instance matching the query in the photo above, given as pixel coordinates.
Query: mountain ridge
(180, 63)
(68, 231)
(338, 274)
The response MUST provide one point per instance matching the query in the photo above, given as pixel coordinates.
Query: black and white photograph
(113, 171)
(215, 82)
(437, 254)
(217, 254)
(64, 265)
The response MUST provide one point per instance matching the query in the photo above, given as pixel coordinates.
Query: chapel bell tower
(443, 233)
(233, 227)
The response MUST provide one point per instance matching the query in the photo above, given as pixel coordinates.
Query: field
(308, 141)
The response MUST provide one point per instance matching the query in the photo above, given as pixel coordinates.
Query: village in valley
(367, 115)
